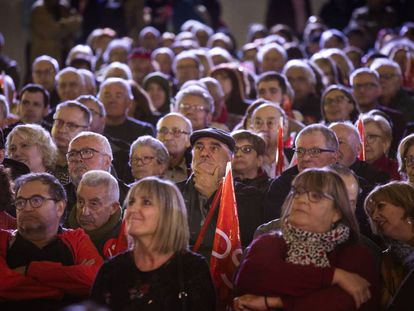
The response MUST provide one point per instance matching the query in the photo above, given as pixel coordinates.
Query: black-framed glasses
(246, 149)
(409, 160)
(85, 154)
(313, 152)
(176, 132)
(59, 123)
(35, 201)
(313, 196)
(144, 160)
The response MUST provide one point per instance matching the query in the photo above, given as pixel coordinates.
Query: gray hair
(379, 62)
(195, 90)
(73, 70)
(361, 71)
(87, 115)
(297, 63)
(98, 178)
(49, 59)
(161, 152)
(189, 126)
(101, 107)
(271, 46)
(108, 72)
(330, 137)
(100, 139)
(119, 81)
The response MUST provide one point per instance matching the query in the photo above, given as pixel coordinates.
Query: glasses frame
(311, 195)
(76, 153)
(312, 152)
(33, 205)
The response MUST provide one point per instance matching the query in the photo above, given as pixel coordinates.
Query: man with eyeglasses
(367, 90)
(174, 131)
(70, 119)
(196, 104)
(393, 95)
(43, 266)
(88, 151)
(248, 159)
(116, 95)
(265, 123)
(315, 146)
(212, 149)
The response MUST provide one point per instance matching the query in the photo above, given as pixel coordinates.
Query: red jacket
(265, 272)
(50, 279)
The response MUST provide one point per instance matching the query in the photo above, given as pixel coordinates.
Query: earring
(409, 221)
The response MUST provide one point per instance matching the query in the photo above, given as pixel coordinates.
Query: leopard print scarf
(309, 248)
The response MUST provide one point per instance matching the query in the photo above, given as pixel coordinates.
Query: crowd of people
(114, 153)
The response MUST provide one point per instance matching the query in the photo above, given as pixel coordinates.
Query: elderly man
(271, 57)
(316, 146)
(393, 95)
(349, 149)
(116, 95)
(43, 266)
(70, 119)
(265, 122)
(186, 66)
(44, 70)
(98, 211)
(88, 151)
(212, 149)
(366, 89)
(196, 104)
(303, 81)
(70, 84)
(248, 159)
(174, 131)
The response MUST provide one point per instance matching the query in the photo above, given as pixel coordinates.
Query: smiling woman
(391, 212)
(159, 272)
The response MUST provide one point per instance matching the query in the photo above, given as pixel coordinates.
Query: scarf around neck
(309, 248)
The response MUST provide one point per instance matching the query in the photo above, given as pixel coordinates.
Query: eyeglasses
(59, 123)
(313, 152)
(35, 201)
(176, 132)
(185, 107)
(246, 149)
(409, 161)
(336, 100)
(144, 160)
(85, 154)
(371, 138)
(368, 86)
(313, 196)
(259, 123)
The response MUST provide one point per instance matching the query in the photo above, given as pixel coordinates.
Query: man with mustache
(88, 151)
(98, 211)
(211, 149)
(43, 266)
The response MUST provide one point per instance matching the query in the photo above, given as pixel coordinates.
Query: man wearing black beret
(212, 148)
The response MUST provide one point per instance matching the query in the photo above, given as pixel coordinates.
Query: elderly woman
(158, 272)
(148, 157)
(338, 104)
(378, 139)
(32, 145)
(315, 261)
(405, 158)
(390, 209)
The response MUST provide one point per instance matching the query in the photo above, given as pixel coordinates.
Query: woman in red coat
(315, 261)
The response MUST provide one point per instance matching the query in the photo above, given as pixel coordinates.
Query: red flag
(361, 131)
(226, 254)
(280, 161)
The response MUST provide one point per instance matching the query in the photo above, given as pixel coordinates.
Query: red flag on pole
(361, 131)
(226, 254)
(280, 161)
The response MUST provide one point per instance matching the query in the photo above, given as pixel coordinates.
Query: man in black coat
(212, 149)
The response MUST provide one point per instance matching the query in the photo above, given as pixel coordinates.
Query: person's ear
(260, 160)
(115, 207)
(60, 207)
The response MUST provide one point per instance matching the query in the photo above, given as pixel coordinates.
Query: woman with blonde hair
(158, 272)
(32, 145)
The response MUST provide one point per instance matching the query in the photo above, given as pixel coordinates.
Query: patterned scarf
(309, 248)
(402, 252)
